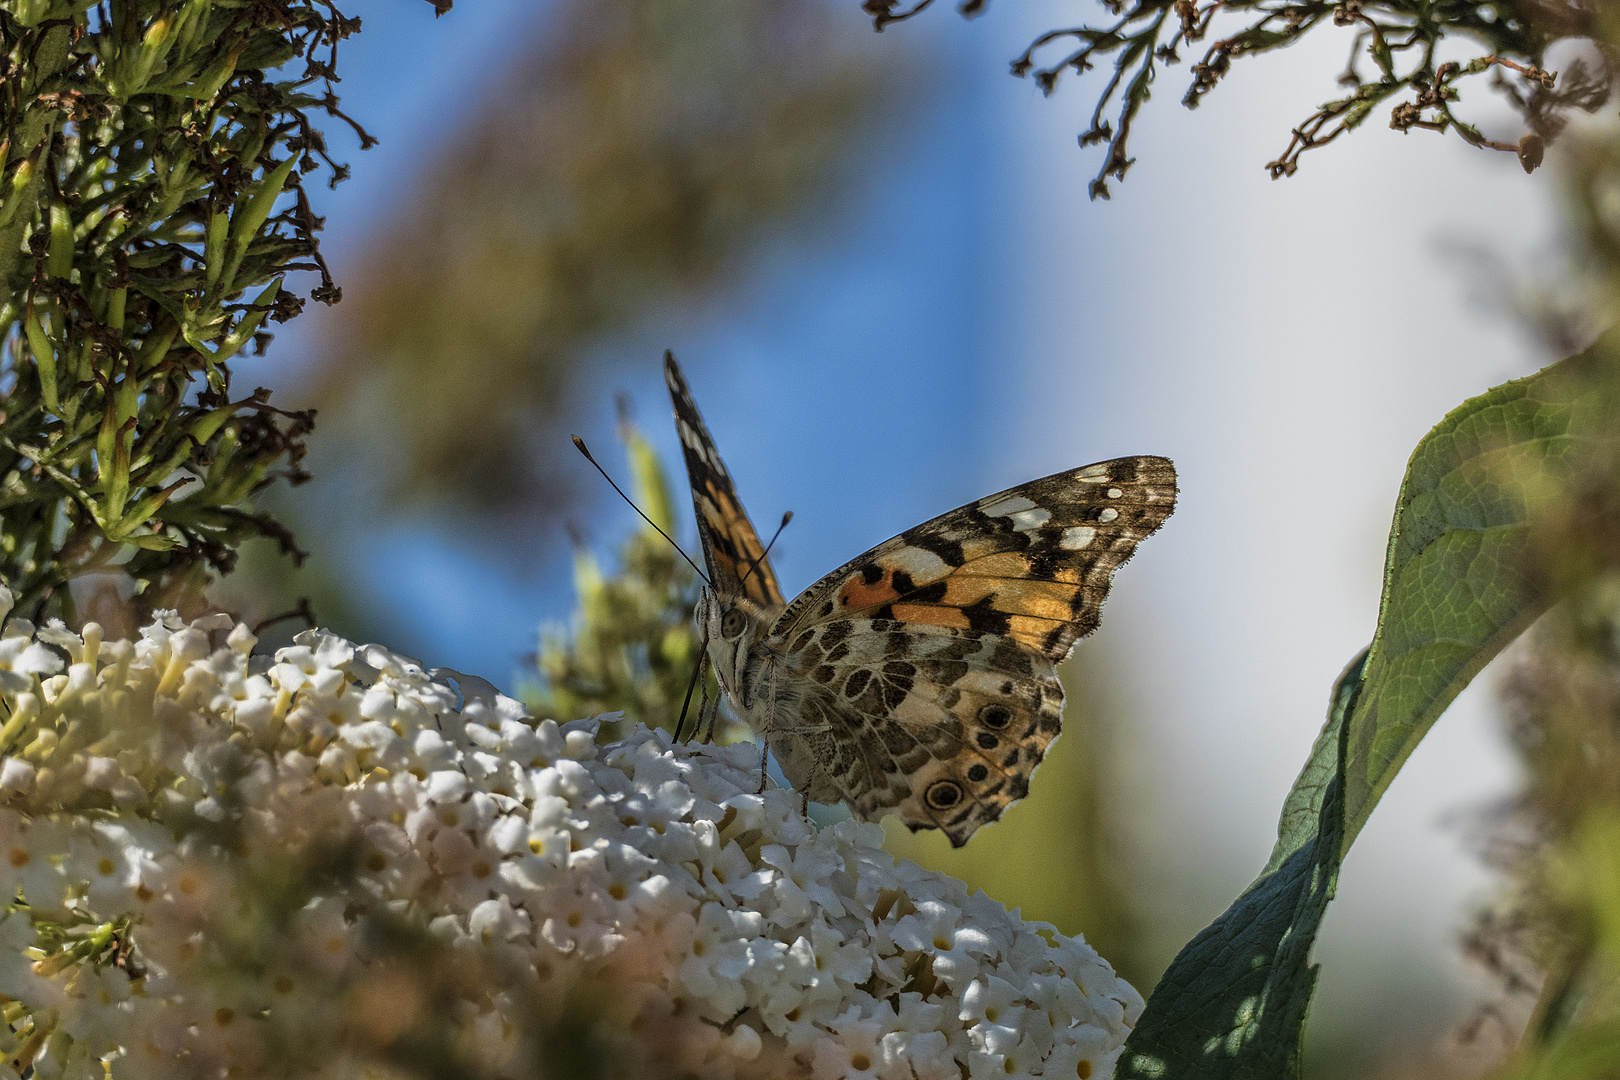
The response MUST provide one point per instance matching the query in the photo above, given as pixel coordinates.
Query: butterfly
(919, 677)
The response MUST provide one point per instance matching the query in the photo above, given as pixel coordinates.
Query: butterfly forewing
(1032, 563)
(731, 547)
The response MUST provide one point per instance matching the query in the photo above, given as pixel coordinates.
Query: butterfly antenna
(697, 668)
(754, 563)
(580, 444)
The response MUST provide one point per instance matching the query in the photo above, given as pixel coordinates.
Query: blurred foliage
(1563, 913)
(634, 157)
(633, 645)
(1422, 52)
(1553, 935)
(152, 204)
(1570, 304)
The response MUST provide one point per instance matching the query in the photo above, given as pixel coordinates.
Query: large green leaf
(1460, 582)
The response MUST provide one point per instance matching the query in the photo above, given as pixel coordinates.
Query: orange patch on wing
(1003, 564)
(1042, 599)
(1030, 630)
(1036, 608)
(857, 594)
(977, 547)
(965, 591)
(726, 519)
(930, 615)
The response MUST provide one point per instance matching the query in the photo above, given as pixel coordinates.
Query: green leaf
(257, 210)
(1256, 40)
(1382, 56)
(1297, 824)
(1461, 580)
(39, 343)
(214, 247)
(59, 257)
(150, 541)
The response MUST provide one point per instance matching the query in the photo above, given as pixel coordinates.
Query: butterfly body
(919, 677)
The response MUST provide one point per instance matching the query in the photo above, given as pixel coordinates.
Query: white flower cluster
(224, 864)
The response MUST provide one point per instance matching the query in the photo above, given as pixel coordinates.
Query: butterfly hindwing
(944, 725)
(731, 548)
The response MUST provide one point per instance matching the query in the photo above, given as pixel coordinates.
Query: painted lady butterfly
(919, 677)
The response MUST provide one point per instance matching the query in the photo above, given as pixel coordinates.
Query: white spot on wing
(1107, 513)
(923, 566)
(1114, 493)
(1077, 538)
(695, 443)
(1092, 473)
(1012, 504)
(1025, 520)
(690, 437)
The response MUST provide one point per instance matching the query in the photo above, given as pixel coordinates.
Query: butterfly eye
(732, 623)
(995, 716)
(944, 794)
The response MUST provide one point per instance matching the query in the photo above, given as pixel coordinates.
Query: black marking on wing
(731, 548)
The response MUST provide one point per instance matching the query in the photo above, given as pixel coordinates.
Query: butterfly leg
(770, 722)
(703, 707)
(714, 720)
